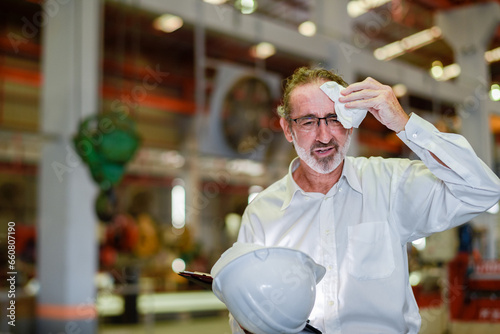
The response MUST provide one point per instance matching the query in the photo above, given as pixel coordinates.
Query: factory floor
(209, 325)
(219, 325)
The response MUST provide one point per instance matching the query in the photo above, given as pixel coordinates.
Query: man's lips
(324, 150)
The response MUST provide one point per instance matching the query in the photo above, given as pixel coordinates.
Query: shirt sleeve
(437, 197)
(245, 235)
(251, 231)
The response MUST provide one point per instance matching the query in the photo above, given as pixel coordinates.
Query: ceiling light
(451, 71)
(178, 265)
(436, 69)
(168, 23)
(400, 90)
(263, 50)
(441, 73)
(414, 278)
(307, 28)
(246, 6)
(389, 51)
(421, 38)
(408, 43)
(215, 2)
(495, 92)
(178, 205)
(357, 8)
(245, 166)
(492, 55)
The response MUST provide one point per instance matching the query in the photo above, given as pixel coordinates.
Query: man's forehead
(309, 94)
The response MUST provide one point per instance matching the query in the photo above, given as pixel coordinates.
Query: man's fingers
(359, 95)
(368, 83)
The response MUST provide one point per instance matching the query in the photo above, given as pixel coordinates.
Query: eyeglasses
(311, 123)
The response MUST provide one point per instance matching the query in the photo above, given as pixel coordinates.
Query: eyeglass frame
(312, 117)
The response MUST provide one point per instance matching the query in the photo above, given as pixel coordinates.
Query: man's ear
(286, 129)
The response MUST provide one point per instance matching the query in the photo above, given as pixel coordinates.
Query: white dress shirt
(359, 230)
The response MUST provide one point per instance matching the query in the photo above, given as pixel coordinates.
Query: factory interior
(134, 133)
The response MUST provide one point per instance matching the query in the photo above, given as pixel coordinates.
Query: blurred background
(133, 133)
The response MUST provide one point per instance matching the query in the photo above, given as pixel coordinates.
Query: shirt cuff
(422, 137)
(415, 129)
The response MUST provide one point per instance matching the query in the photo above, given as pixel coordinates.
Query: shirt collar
(292, 187)
(350, 174)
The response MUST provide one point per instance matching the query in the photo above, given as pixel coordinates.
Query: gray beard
(324, 165)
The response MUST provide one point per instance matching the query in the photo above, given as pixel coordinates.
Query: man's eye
(332, 119)
(307, 122)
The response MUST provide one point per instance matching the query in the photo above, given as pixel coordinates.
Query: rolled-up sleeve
(440, 196)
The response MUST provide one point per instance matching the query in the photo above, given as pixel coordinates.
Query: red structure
(474, 289)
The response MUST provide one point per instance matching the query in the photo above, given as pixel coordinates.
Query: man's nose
(323, 132)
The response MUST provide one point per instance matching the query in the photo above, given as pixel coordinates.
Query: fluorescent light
(400, 90)
(172, 158)
(407, 44)
(168, 23)
(246, 6)
(245, 166)
(492, 55)
(441, 73)
(357, 8)
(178, 206)
(421, 38)
(495, 96)
(436, 69)
(263, 50)
(389, 51)
(232, 224)
(215, 2)
(307, 28)
(178, 265)
(415, 278)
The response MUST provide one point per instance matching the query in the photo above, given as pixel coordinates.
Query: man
(355, 216)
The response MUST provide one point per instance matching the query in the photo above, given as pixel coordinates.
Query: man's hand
(378, 99)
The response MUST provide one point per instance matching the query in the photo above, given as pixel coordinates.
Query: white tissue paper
(349, 117)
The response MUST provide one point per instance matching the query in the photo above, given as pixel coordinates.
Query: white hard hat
(268, 290)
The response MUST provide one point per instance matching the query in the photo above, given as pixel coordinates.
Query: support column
(195, 201)
(67, 244)
(333, 21)
(469, 30)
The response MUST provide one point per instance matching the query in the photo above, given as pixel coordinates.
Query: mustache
(332, 142)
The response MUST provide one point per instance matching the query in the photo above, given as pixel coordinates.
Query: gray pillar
(333, 21)
(67, 245)
(469, 31)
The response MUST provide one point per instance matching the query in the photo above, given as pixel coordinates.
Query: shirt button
(414, 135)
(307, 198)
(340, 189)
(330, 267)
(330, 302)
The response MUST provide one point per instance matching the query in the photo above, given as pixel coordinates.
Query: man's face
(323, 148)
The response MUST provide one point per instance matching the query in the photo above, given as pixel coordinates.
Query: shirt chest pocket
(369, 251)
